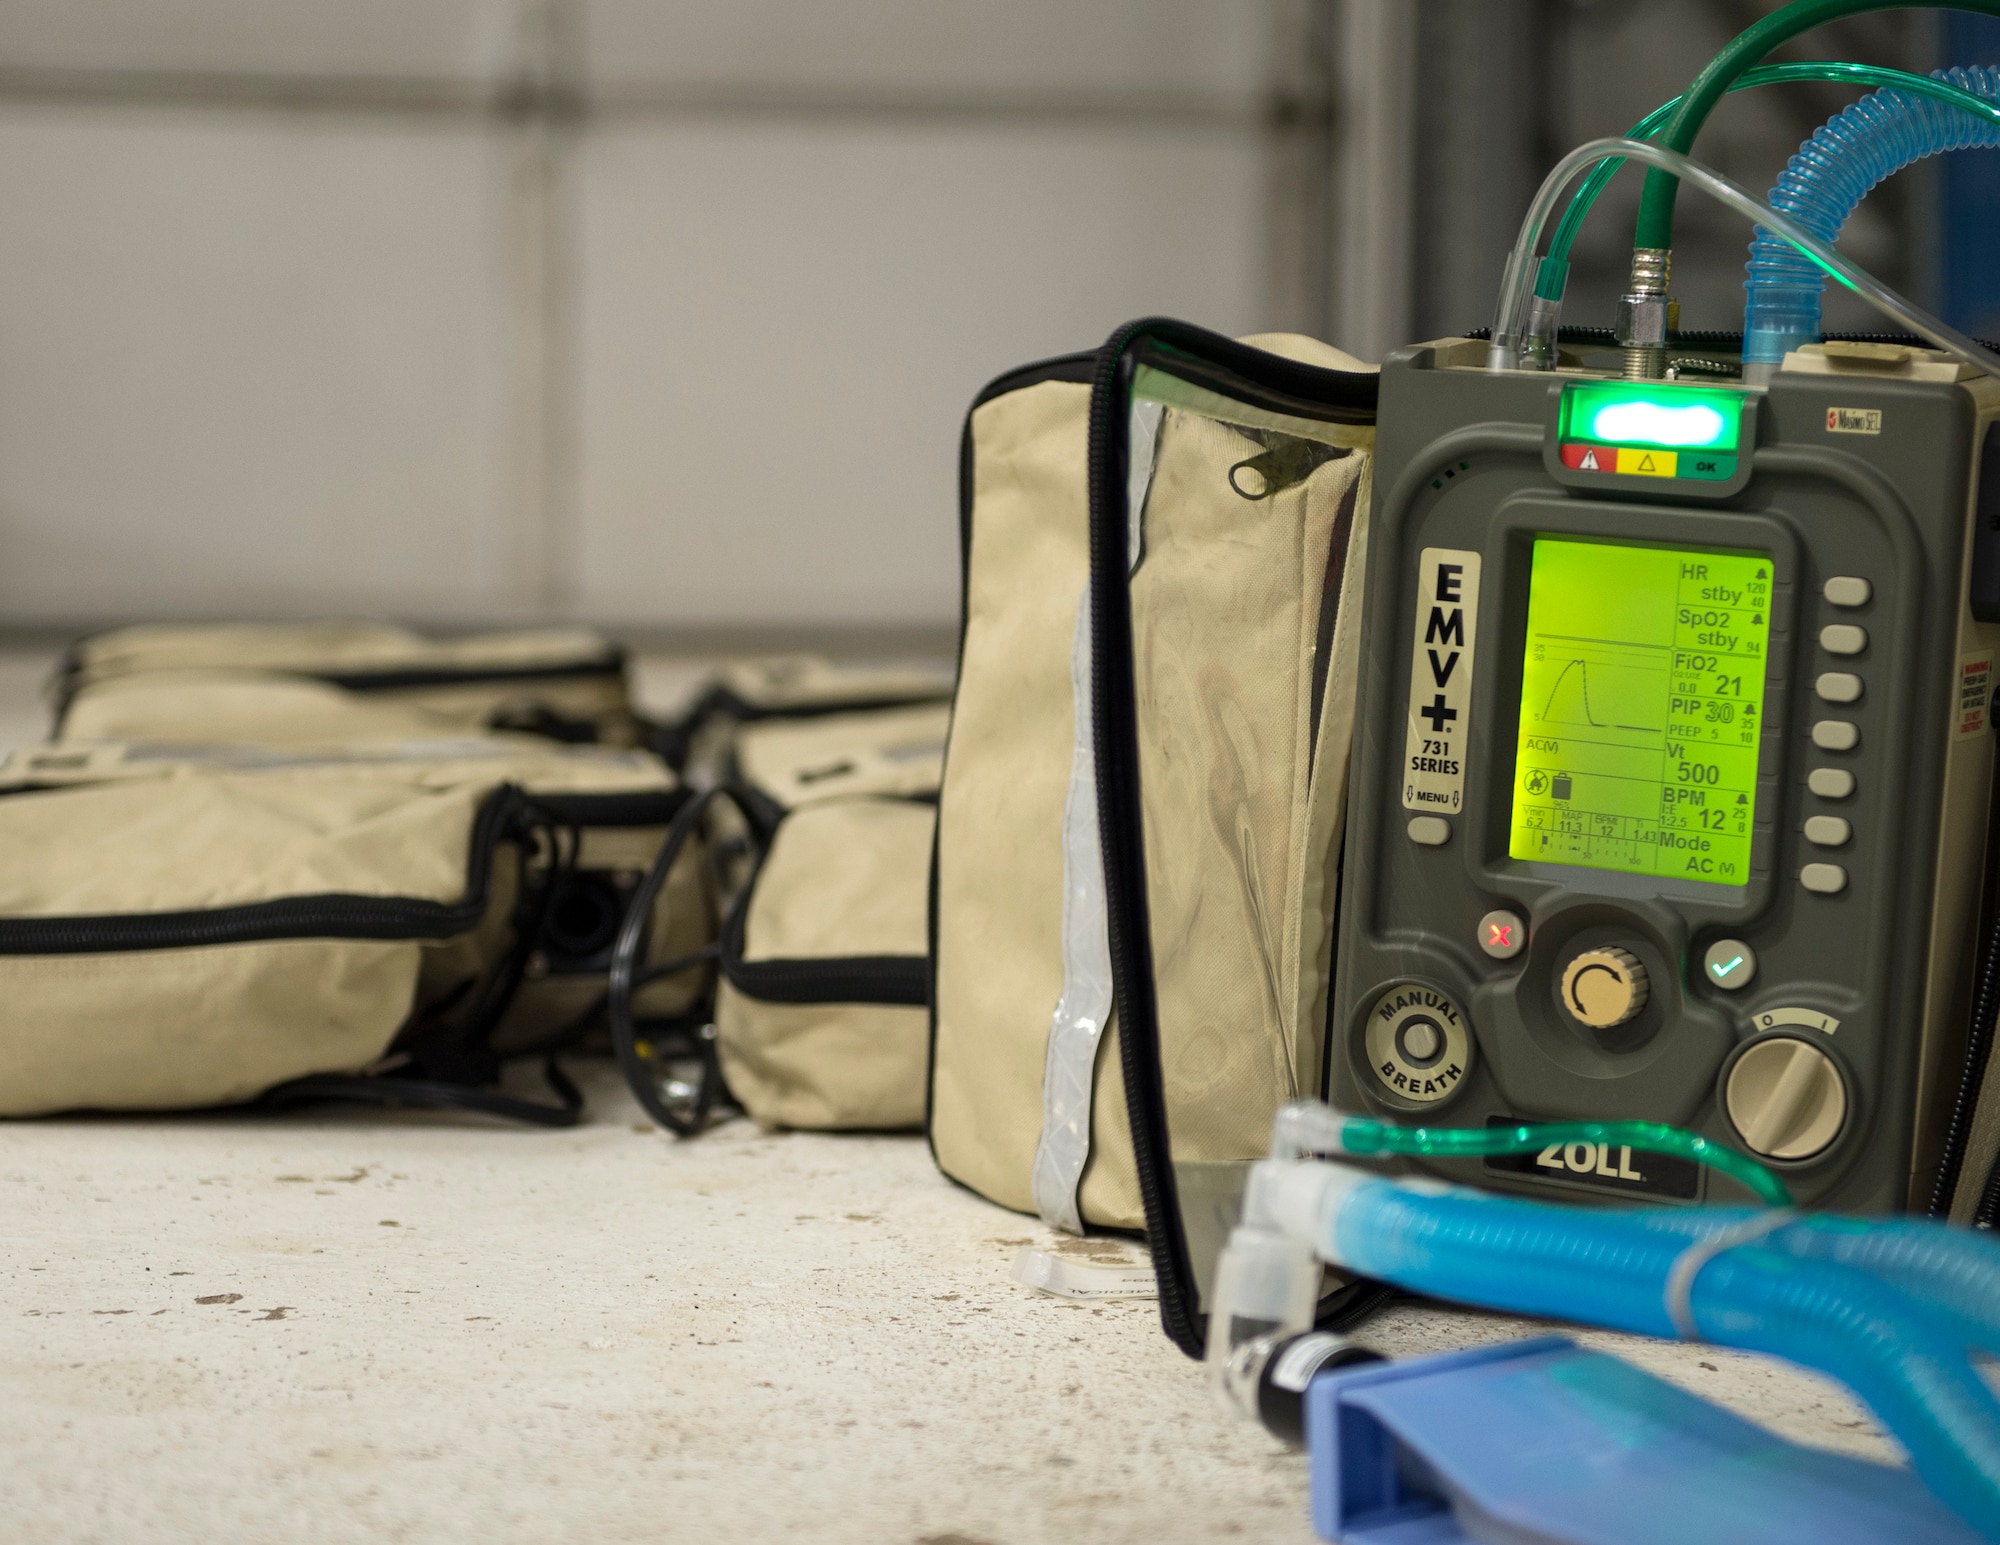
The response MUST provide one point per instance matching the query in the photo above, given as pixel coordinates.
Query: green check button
(1730, 964)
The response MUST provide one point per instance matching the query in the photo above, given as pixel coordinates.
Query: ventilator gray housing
(1854, 1021)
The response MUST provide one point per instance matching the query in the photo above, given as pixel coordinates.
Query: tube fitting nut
(1643, 321)
(1646, 315)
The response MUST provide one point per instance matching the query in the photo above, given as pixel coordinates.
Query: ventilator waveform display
(1642, 696)
(1621, 690)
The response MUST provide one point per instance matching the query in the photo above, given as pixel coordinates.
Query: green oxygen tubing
(1552, 278)
(1647, 316)
(1655, 229)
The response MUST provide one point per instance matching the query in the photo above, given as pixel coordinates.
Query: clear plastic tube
(1517, 283)
(1552, 277)
(1832, 172)
(1655, 227)
(1617, 1269)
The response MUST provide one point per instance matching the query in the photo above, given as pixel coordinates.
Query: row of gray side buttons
(1838, 638)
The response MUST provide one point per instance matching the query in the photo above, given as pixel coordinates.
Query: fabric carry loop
(1194, 354)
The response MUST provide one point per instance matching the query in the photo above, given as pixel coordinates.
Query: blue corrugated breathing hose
(1847, 155)
(1894, 1309)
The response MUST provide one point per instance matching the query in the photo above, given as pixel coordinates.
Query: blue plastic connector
(1543, 1441)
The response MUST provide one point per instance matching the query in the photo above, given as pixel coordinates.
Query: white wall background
(658, 312)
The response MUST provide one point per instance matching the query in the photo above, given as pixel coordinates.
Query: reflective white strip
(1069, 1074)
(1069, 1069)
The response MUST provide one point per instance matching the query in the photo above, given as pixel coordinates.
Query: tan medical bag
(188, 929)
(820, 1014)
(1240, 472)
(567, 683)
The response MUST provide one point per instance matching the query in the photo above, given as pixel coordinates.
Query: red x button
(1502, 935)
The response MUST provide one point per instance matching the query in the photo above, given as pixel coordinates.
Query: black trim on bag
(334, 915)
(611, 663)
(1078, 369)
(74, 672)
(887, 980)
(1287, 388)
(1114, 722)
(673, 742)
(901, 981)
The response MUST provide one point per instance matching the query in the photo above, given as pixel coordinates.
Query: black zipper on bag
(673, 742)
(610, 664)
(73, 672)
(330, 916)
(1114, 727)
(1339, 396)
(895, 981)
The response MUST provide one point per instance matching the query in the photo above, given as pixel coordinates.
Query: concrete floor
(350, 1326)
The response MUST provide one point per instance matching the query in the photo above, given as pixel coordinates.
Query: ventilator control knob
(1786, 1097)
(1604, 986)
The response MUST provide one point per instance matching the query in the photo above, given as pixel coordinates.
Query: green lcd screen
(1642, 695)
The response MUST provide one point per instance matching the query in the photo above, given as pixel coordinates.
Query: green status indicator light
(1651, 430)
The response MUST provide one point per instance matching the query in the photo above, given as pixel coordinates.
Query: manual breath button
(1417, 1044)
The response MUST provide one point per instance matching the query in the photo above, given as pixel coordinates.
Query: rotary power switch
(1605, 986)
(1786, 1097)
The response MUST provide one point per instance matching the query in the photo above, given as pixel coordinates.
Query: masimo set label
(1441, 680)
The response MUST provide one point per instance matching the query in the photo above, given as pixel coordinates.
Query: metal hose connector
(1646, 315)
(1518, 282)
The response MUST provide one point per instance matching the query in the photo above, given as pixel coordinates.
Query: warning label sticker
(1440, 720)
(1973, 707)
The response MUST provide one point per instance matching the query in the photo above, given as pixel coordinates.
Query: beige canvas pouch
(821, 836)
(1241, 526)
(568, 683)
(820, 1012)
(1228, 517)
(789, 689)
(618, 804)
(176, 935)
